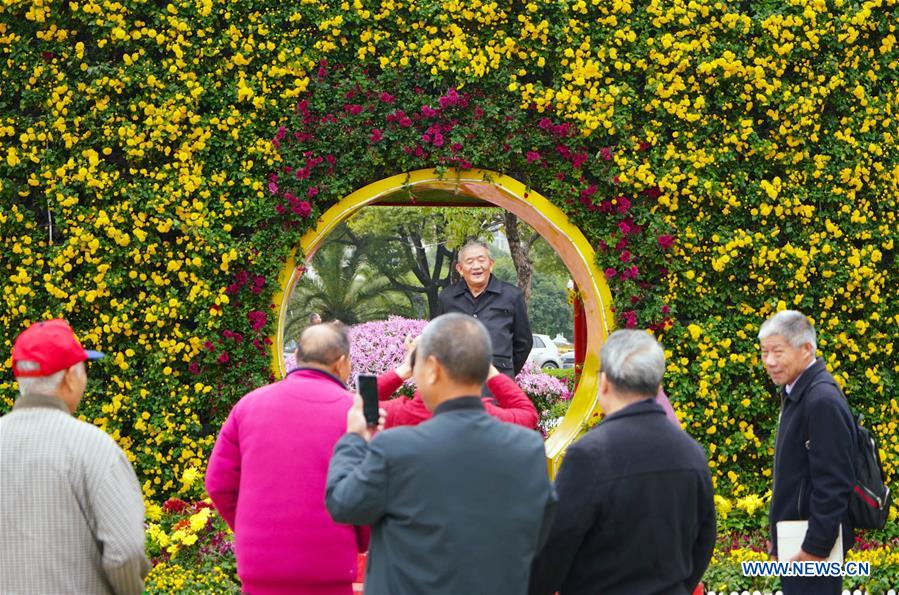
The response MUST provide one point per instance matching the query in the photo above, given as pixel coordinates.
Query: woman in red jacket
(511, 404)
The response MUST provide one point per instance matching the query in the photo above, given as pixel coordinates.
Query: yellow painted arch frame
(546, 218)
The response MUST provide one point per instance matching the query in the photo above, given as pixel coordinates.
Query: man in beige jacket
(71, 511)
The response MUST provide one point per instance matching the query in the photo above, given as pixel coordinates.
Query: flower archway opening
(483, 188)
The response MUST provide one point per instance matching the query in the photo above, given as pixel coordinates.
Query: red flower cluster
(174, 505)
(257, 319)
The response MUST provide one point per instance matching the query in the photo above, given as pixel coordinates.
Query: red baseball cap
(47, 347)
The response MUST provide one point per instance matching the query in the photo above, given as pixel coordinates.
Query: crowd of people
(448, 493)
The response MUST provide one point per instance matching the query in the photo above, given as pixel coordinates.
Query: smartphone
(368, 388)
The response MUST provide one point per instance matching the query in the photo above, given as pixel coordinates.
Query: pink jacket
(266, 476)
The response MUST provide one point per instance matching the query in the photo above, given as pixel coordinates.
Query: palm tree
(340, 287)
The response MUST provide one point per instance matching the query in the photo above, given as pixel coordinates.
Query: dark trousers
(817, 585)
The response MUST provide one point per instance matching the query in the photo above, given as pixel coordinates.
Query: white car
(544, 353)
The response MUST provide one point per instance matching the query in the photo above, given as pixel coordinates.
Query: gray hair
(461, 344)
(792, 325)
(323, 344)
(45, 385)
(634, 362)
(473, 244)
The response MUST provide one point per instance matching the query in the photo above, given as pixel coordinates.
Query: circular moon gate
(505, 192)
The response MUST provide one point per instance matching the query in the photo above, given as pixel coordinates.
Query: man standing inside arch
(498, 305)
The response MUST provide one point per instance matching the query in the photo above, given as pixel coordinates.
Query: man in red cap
(71, 510)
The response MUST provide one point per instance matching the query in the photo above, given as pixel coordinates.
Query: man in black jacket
(459, 504)
(814, 451)
(636, 510)
(498, 305)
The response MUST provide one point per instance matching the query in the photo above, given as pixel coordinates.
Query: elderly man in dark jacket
(636, 511)
(498, 305)
(813, 456)
(458, 504)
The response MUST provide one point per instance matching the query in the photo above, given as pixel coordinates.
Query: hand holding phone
(368, 389)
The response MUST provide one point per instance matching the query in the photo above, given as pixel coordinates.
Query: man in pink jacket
(266, 475)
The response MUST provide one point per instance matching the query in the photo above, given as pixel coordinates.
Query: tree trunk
(433, 302)
(520, 252)
(449, 257)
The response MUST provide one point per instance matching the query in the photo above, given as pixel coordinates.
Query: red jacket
(514, 405)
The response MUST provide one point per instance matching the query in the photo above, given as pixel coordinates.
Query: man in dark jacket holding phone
(457, 504)
(815, 448)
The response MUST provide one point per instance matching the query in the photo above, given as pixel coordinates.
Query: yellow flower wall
(135, 150)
